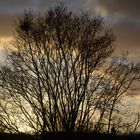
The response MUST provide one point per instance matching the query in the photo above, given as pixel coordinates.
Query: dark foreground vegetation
(69, 136)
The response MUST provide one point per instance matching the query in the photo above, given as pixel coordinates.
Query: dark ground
(68, 136)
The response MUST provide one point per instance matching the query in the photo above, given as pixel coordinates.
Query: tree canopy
(57, 77)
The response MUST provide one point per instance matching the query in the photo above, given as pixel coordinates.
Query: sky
(122, 16)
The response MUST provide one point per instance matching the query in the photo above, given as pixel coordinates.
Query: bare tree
(55, 75)
(118, 85)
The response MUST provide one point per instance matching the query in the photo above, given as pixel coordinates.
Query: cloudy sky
(122, 16)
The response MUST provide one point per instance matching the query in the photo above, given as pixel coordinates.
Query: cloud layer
(122, 15)
(129, 8)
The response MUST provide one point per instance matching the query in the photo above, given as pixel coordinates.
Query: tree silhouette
(57, 76)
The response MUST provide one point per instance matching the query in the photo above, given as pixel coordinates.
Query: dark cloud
(13, 2)
(75, 5)
(124, 18)
(130, 8)
(127, 37)
(122, 15)
(14, 6)
(18, 6)
(127, 31)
